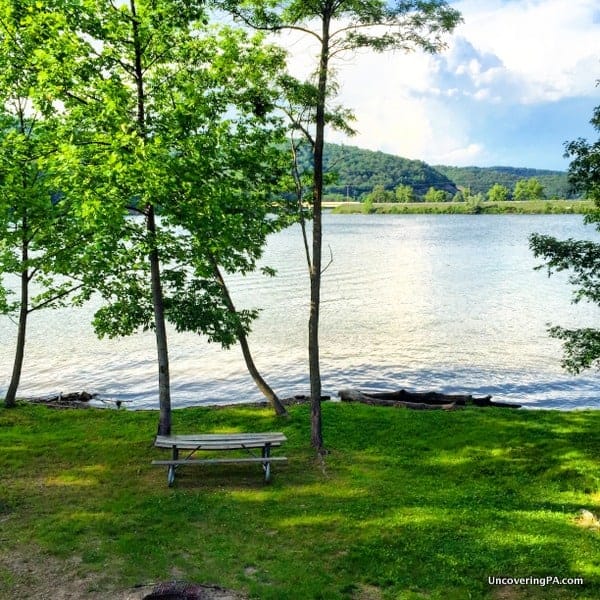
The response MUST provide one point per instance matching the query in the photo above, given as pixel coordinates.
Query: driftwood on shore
(70, 400)
(73, 400)
(420, 400)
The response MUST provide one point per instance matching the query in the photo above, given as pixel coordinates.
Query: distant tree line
(353, 173)
(480, 179)
(524, 189)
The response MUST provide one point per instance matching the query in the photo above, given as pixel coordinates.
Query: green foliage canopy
(528, 189)
(404, 193)
(37, 228)
(159, 114)
(207, 160)
(380, 194)
(481, 179)
(434, 195)
(581, 258)
(498, 193)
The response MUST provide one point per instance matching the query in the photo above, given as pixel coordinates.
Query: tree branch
(31, 273)
(135, 209)
(296, 123)
(273, 28)
(14, 39)
(299, 195)
(356, 26)
(330, 260)
(55, 298)
(79, 99)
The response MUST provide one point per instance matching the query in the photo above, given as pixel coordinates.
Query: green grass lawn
(407, 505)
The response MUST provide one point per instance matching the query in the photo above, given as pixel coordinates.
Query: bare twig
(299, 195)
(330, 260)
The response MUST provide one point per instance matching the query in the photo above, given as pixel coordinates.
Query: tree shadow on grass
(416, 504)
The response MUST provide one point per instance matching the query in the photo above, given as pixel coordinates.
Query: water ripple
(419, 302)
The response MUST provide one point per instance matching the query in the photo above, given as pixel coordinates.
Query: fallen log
(419, 400)
(425, 397)
(357, 396)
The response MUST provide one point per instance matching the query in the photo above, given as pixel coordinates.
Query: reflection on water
(425, 302)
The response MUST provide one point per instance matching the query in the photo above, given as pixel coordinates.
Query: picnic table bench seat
(220, 442)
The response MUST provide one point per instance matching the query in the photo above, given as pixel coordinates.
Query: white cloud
(551, 46)
(445, 108)
(478, 75)
(466, 155)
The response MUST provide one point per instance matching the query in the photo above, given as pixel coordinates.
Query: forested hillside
(358, 171)
(480, 180)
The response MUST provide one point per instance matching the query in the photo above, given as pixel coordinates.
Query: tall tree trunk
(262, 385)
(316, 434)
(164, 381)
(11, 394)
(164, 384)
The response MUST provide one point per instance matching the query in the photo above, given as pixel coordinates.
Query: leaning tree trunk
(11, 395)
(262, 385)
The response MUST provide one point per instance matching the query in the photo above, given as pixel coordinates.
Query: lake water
(423, 302)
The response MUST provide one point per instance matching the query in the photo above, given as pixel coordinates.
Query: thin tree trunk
(262, 385)
(316, 434)
(164, 385)
(10, 400)
(11, 394)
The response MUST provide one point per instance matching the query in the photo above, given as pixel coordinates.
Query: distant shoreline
(523, 207)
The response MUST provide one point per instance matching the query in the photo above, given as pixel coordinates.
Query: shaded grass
(527, 207)
(411, 504)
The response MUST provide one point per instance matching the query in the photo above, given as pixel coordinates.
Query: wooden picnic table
(217, 442)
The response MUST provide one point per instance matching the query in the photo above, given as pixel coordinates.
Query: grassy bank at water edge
(532, 207)
(408, 505)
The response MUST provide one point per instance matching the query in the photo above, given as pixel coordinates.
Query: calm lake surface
(423, 302)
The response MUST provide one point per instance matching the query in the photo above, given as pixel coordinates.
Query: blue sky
(517, 81)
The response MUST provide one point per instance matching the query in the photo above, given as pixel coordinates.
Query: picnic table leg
(266, 452)
(171, 471)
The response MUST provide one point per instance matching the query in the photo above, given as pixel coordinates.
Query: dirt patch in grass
(518, 592)
(507, 592)
(39, 577)
(367, 592)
